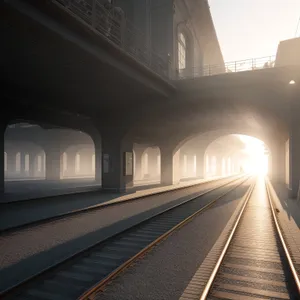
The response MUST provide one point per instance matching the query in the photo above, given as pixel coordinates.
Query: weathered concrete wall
(288, 53)
(193, 19)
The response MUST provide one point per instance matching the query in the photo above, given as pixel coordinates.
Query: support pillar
(294, 162)
(183, 166)
(11, 164)
(152, 164)
(53, 163)
(170, 166)
(98, 160)
(277, 162)
(22, 165)
(219, 166)
(200, 165)
(32, 164)
(190, 165)
(71, 156)
(117, 162)
(294, 142)
(138, 151)
(2, 175)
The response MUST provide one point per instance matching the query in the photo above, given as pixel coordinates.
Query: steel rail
(226, 246)
(80, 253)
(88, 295)
(284, 245)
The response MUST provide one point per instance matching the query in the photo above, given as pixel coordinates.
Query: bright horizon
(258, 160)
(253, 28)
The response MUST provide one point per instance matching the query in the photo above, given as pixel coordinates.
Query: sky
(253, 28)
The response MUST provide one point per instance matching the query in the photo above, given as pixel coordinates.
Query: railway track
(78, 211)
(255, 262)
(88, 271)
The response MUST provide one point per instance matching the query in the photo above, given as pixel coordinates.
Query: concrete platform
(20, 213)
(289, 219)
(19, 190)
(27, 251)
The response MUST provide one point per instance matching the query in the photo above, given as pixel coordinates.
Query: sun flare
(256, 157)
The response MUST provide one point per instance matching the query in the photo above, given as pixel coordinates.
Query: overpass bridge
(81, 65)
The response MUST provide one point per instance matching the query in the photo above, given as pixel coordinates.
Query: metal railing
(229, 67)
(111, 23)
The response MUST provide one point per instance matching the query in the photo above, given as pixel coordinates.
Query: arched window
(181, 51)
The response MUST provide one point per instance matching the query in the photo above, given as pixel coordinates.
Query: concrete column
(294, 143)
(71, 154)
(98, 160)
(114, 164)
(41, 172)
(294, 161)
(200, 165)
(170, 166)
(152, 164)
(53, 163)
(277, 162)
(11, 164)
(85, 163)
(219, 166)
(183, 166)
(32, 164)
(190, 166)
(2, 175)
(22, 165)
(138, 151)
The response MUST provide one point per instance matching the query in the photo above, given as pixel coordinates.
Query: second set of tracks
(255, 262)
(87, 272)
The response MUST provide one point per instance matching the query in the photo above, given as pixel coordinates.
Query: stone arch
(150, 167)
(228, 165)
(80, 161)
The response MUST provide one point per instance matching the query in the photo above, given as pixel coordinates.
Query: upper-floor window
(181, 51)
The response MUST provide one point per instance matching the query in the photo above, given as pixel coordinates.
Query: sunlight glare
(257, 159)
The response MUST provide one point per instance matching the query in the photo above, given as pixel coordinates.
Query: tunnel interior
(40, 157)
(72, 158)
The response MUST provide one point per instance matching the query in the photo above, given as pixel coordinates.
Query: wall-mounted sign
(128, 163)
(105, 163)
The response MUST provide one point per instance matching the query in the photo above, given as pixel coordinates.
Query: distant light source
(292, 82)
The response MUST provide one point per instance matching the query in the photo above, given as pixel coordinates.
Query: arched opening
(207, 165)
(77, 163)
(182, 51)
(46, 154)
(232, 154)
(147, 166)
